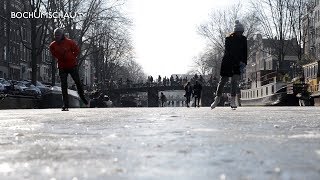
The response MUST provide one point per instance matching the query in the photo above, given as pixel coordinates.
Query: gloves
(242, 67)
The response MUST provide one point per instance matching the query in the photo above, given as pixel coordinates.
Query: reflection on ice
(307, 135)
(5, 168)
(112, 136)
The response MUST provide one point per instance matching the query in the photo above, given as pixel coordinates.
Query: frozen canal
(161, 143)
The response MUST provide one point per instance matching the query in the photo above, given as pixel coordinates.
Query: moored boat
(53, 98)
(267, 90)
(10, 101)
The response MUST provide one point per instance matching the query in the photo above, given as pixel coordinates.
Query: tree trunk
(33, 52)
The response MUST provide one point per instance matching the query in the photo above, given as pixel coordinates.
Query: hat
(238, 27)
(58, 31)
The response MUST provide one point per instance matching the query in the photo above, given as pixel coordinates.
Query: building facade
(263, 56)
(14, 54)
(311, 30)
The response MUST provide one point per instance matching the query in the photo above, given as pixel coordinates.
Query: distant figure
(197, 89)
(163, 99)
(171, 80)
(188, 93)
(201, 79)
(100, 101)
(304, 98)
(151, 79)
(66, 51)
(107, 101)
(233, 61)
(159, 80)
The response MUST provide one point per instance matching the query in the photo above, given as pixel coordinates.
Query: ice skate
(233, 103)
(216, 102)
(65, 109)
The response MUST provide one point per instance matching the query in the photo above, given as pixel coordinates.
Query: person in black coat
(197, 89)
(233, 61)
(188, 93)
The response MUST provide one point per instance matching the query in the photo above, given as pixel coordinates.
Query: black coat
(197, 88)
(236, 51)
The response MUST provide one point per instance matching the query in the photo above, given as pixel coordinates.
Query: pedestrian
(65, 51)
(234, 59)
(188, 93)
(97, 101)
(163, 99)
(197, 89)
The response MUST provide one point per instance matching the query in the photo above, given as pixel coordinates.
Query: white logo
(49, 15)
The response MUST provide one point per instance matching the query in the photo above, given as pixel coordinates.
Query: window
(5, 53)
(305, 72)
(266, 90)
(272, 89)
(5, 29)
(25, 54)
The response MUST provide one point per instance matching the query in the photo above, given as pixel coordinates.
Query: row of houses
(311, 28)
(15, 52)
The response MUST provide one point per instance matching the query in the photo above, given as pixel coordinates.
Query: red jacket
(65, 52)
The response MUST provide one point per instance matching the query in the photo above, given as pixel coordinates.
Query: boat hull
(277, 99)
(8, 101)
(53, 99)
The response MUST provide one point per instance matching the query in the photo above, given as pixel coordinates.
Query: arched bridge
(153, 91)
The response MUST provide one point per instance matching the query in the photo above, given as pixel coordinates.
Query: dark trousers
(197, 100)
(234, 84)
(74, 72)
(188, 99)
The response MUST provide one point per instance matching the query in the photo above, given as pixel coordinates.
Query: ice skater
(66, 51)
(233, 61)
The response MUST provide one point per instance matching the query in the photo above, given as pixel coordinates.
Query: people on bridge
(201, 79)
(188, 93)
(235, 57)
(159, 80)
(171, 80)
(65, 51)
(197, 89)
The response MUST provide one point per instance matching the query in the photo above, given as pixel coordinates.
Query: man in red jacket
(66, 51)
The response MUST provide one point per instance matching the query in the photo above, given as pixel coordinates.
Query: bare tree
(135, 71)
(115, 48)
(203, 63)
(219, 25)
(274, 17)
(38, 28)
